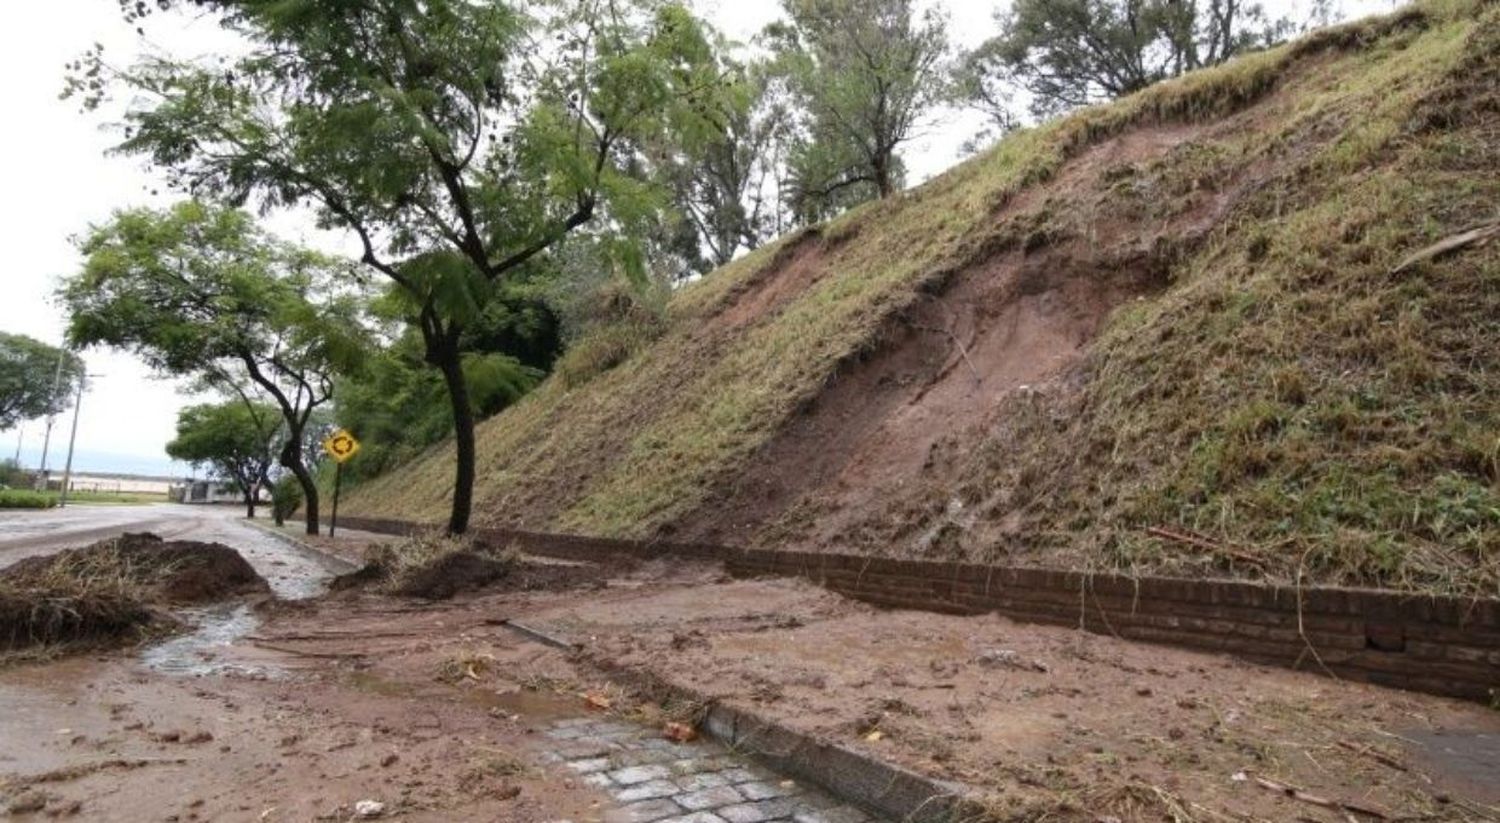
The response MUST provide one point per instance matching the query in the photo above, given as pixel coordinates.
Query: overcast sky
(59, 181)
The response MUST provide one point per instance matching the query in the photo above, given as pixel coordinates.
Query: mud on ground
(434, 708)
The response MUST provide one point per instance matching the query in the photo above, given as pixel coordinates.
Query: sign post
(341, 446)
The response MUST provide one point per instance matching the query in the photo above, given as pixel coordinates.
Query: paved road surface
(291, 572)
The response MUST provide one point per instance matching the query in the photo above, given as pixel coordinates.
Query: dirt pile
(429, 566)
(163, 571)
(1182, 313)
(113, 589)
(434, 567)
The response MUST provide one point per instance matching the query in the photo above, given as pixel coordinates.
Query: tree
(35, 379)
(397, 406)
(864, 72)
(200, 292)
(1071, 53)
(236, 441)
(456, 141)
(720, 184)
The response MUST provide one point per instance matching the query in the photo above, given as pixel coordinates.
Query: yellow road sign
(341, 445)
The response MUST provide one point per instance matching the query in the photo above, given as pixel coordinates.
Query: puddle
(1469, 761)
(203, 650)
(531, 705)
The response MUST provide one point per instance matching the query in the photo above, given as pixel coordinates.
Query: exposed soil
(114, 590)
(857, 468)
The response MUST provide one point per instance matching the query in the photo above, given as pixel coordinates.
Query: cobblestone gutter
(880, 788)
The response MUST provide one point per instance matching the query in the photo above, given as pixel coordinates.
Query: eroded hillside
(1163, 334)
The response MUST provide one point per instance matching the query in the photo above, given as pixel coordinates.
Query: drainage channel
(657, 780)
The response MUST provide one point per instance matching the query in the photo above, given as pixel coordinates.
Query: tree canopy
(456, 141)
(35, 379)
(236, 441)
(1069, 53)
(201, 292)
(863, 73)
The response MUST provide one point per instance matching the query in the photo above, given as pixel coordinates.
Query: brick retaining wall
(1441, 645)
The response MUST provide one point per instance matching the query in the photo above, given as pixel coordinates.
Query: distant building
(210, 491)
(110, 483)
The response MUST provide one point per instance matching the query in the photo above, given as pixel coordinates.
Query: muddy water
(294, 574)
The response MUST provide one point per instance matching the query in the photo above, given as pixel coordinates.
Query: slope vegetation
(1166, 334)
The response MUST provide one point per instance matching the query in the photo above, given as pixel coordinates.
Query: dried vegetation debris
(434, 566)
(115, 589)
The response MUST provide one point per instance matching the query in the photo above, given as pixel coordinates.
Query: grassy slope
(1284, 393)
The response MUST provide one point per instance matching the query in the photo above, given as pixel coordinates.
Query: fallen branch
(1479, 234)
(963, 351)
(1199, 541)
(1295, 793)
(299, 653)
(1374, 754)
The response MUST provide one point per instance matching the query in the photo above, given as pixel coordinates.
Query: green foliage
(236, 441)
(12, 476)
(35, 379)
(286, 498)
(1283, 392)
(455, 149)
(201, 292)
(26, 499)
(397, 406)
(863, 72)
(1065, 54)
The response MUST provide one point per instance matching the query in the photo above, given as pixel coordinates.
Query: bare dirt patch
(1068, 252)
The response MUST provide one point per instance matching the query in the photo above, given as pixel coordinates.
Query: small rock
(367, 809)
(28, 802)
(389, 760)
(199, 737)
(1009, 659)
(1143, 691)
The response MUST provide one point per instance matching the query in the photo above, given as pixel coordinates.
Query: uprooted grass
(1263, 397)
(430, 565)
(111, 592)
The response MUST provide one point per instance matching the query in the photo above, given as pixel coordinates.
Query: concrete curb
(885, 789)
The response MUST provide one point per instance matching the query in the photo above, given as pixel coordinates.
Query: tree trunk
(448, 360)
(882, 169)
(291, 459)
(250, 503)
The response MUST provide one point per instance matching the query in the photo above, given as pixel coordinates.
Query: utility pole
(41, 475)
(20, 438)
(68, 468)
